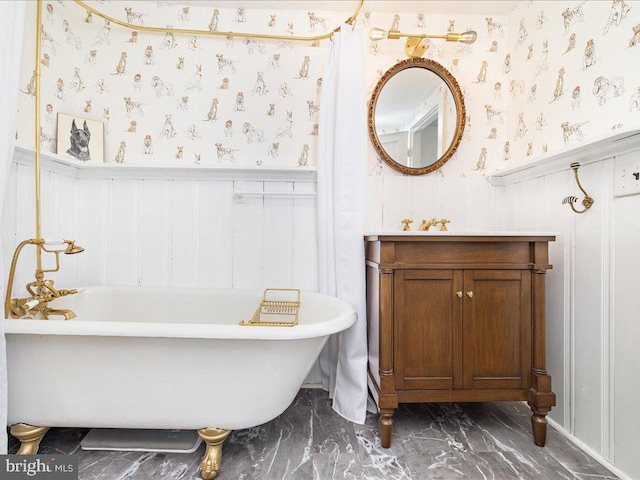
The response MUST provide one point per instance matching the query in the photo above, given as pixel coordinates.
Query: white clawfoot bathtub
(163, 358)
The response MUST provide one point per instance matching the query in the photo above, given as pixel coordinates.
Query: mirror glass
(416, 116)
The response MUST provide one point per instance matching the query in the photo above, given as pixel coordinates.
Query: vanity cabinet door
(497, 329)
(428, 329)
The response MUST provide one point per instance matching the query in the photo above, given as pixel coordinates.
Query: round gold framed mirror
(416, 116)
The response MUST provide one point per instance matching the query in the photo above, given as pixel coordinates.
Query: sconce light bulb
(468, 37)
(377, 33)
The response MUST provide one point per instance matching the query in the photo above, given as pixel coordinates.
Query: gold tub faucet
(41, 291)
(443, 224)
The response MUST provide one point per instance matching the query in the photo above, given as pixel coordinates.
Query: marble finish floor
(309, 441)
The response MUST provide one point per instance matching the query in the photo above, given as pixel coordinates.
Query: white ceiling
(471, 7)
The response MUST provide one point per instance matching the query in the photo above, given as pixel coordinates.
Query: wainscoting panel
(625, 334)
(592, 290)
(248, 236)
(19, 221)
(305, 234)
(155, 221)
(184, 204)
(587, 275)
(10, 215)
(214, 236)
(470, 203)
(557, 218)
(278, 229)
(92, 235)
(422, 201)
(178, 232)
(122, 232)
(481, 206)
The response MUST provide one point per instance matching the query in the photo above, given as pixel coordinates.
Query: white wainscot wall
(592, 295)
(470, 203)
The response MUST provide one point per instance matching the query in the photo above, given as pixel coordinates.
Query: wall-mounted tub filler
(41, 291)
(587, 202)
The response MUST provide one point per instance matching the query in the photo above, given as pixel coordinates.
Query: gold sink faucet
(42, 291)
(425, 226)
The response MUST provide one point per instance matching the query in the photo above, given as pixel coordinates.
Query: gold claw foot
(213, 437)
(29, 436)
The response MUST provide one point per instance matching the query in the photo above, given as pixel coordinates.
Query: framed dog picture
(80, 138)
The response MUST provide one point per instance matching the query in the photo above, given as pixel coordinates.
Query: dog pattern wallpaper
(575, 71)
(195, 99)
(537, 81)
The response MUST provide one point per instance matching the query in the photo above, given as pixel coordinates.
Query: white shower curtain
(12, 25)
(342, 136)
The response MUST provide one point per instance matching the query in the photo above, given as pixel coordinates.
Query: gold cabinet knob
(459, 294)
(470, 294)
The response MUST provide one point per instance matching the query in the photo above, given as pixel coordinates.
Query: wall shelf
(162, 170)
(594, 151)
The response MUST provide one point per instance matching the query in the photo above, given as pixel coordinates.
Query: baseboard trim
(588, 450)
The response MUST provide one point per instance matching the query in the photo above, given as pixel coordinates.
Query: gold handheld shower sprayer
(587, 202)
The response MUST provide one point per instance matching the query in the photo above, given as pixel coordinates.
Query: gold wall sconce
(587, 202)
(416, 43)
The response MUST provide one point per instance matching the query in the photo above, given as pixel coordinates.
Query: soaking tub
(162, 358)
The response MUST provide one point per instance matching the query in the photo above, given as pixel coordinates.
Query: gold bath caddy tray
(279, 308)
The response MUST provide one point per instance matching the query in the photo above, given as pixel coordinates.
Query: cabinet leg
(385, 424)
(541, 399)
(539, 424)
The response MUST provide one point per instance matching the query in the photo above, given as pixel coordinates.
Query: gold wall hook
(587, 202)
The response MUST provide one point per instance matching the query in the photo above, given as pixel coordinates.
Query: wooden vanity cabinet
(457, 318)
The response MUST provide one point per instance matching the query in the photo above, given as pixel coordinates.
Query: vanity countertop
(415, 235)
